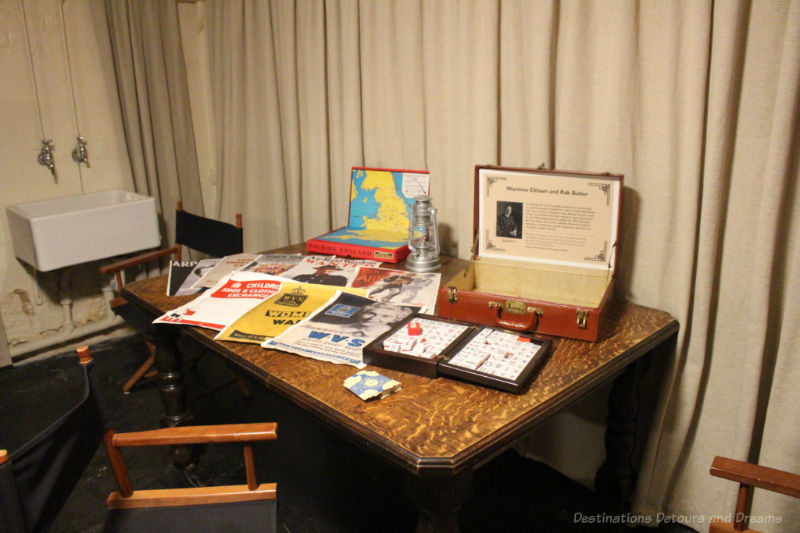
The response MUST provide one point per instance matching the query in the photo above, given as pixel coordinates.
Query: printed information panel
(555, 218)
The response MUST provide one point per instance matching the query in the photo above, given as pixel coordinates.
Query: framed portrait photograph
(509, 219)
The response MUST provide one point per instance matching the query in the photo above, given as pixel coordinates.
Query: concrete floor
(325, 484)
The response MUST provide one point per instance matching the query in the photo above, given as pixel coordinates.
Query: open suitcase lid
(547, 216)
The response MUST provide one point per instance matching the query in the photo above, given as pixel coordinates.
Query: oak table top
(435, 427)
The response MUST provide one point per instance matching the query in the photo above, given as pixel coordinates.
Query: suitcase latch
(582, 318)
(515, 307)
(452, 295)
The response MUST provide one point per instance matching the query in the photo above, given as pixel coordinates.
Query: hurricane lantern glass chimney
(423, 237)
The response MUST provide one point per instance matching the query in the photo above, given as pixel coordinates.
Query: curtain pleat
(461, 95)
(154, 98)
(695, 102)
(343, 85)
(528, 47)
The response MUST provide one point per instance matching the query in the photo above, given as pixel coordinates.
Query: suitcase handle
(529, 319)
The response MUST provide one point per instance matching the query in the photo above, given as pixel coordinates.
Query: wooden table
(438, 431)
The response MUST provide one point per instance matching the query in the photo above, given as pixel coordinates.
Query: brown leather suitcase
(544, 253)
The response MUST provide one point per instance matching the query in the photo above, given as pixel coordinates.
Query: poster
(234, 295)
(223, 267)
(338, 331)
(273, 264)
(327, 270)
(400, 287)
(291, 304)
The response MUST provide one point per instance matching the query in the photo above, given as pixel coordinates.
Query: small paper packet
(369, 385)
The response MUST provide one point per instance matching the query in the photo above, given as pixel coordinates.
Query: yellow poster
(291, 304)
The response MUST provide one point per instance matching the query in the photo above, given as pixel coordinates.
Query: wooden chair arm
(198, 435)
(139, 259)
(191, 496)
(245, 434)
(756, 476)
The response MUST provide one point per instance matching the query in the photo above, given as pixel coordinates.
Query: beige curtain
(695, 102)
(154, 98)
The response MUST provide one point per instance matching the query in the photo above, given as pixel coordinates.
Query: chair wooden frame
(41, 472)
(175, 251)
(247, 434)
(126, 499)
(84, 358)
(749, 476)
(118, 268)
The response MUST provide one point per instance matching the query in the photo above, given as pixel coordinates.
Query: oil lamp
(423, 237)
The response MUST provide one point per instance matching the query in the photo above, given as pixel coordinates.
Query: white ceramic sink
(59, 232)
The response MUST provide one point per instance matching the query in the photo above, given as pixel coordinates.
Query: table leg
(615, 477)
(171, 388)
(438, 500)
(630, 407)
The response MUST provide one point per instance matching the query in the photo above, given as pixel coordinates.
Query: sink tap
(46, 155)
(80, 154)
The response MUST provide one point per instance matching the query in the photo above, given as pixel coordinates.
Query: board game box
(380, 211)
(431, 346)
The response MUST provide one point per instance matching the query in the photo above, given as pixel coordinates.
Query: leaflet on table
(216, 308)
(273, 263)
(292, 303)
(338, 331)
(224, 266)
(327, 270)
(178, 272)
(400, 287)
(184, 274)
